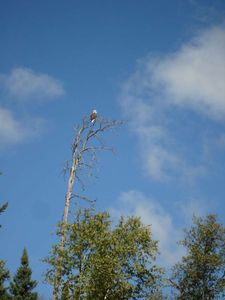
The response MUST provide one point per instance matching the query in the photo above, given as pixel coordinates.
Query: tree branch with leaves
(3, 207)
(108, 262)
(201, 272)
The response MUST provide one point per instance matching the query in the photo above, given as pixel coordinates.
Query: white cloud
(195, 75)
(25, 84)
(13, 131)
(135, 203)
(165, 92)
(158, 160)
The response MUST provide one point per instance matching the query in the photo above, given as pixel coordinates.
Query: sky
(157, 65)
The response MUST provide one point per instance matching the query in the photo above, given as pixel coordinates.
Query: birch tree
(201, 273)
(108, 262)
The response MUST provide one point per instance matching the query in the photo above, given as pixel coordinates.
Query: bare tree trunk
(75, 163)
(64, 226)
(79, 148)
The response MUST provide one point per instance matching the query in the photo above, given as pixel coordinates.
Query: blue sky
(160, 65)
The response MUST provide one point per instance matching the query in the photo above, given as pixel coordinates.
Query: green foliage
(201, 273)
(21, 287)
(101, 262)
(66, 292)
(4, 275)
(3, 207)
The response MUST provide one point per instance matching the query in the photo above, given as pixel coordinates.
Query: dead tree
(86, 144)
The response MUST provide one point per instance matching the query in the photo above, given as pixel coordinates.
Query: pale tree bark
(87, 142)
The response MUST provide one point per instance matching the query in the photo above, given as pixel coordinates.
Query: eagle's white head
(93, 116)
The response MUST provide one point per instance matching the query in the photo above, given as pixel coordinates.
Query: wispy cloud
(26, 85)
(168, 95)
(13, 130)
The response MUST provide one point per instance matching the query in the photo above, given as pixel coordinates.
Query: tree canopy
(4, 275)
(201, 273)
(105, 262)
(3, 206)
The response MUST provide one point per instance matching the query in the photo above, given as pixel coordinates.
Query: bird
(93, 116)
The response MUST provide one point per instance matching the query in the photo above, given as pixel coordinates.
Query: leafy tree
(22, 286)
(3, 207)
(66, 295)
(4, 275)
(101, 262)
(201, 273)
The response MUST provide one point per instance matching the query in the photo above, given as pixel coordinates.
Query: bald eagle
(93, 116)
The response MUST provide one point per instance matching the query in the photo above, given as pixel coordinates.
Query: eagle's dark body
(93, 116)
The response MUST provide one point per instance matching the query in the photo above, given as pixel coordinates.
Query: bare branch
(80, 182)
(94, 149)
(84, 198)
(174, 284)
(65, 169)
